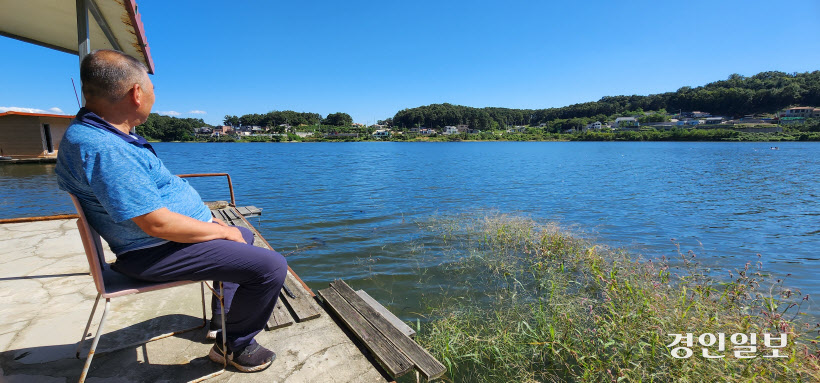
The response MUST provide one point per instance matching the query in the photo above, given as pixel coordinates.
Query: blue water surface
(353, 210)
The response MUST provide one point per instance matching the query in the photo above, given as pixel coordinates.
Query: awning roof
(113, 24)
(14, 113)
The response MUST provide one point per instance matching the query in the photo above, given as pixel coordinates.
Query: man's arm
(165, 224)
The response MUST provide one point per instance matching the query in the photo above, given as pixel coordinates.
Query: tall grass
(548, 306)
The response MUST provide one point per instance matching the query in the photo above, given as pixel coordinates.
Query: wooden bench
(389, 342)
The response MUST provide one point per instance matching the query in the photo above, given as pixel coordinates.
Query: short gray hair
(109, 74)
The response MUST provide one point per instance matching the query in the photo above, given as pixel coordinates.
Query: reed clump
(548, 306)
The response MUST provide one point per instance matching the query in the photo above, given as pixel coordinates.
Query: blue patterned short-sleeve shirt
(116, 181)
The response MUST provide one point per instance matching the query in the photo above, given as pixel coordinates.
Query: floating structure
(26, 136)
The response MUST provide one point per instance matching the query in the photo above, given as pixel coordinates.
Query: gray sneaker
(252, 359)
(215, 327)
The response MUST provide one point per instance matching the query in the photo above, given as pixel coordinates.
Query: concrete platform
(47, 296)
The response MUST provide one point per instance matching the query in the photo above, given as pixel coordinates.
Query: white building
(450, 130)
(699, 114)
(802, 111)
(625, 121)
(381, 133)
(597, 125)
(426, 132)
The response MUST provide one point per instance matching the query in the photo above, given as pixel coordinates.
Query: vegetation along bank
(543, 305)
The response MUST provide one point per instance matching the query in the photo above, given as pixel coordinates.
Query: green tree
(167, 128)
(338, 119)
(231, 120)
(251, 119)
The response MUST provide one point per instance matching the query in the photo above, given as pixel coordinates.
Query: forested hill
(167, 128)
(765, 92)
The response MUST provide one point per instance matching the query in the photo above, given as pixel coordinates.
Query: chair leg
(87, 326)
(221, 298)
(96, 340)
(204, 315)
(224, 329)
(93, 349)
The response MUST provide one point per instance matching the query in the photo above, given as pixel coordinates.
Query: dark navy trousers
(252, 277)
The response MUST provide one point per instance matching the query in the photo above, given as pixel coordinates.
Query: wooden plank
(224, 217)
(280, 316)
(240, 222)
(394, 362)
(232, 214)
(394, 320)
(248, 211)
(303, 305)
(425, 363)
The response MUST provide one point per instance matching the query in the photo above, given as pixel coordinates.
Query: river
(354, 210)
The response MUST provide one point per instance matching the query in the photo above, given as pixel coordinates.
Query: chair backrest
(93, 247)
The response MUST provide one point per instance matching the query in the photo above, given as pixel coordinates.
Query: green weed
(547, 306)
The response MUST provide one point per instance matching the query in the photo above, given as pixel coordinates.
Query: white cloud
(198, 112)
(4, 109)
(169, 113)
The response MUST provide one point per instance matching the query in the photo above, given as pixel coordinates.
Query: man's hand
(165, 224)
(234, 234)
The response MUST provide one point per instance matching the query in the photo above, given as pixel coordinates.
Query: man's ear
(135, 94)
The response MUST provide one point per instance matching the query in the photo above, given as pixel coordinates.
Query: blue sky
(373, 58)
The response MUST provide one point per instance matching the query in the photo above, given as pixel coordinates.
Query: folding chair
(111, 284)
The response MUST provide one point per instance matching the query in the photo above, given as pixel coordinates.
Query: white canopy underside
(53, 24)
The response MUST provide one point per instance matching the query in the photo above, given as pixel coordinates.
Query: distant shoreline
(465, 141)
(633, 136)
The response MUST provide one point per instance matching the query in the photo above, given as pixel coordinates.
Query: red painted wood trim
(136, 22)
(37, 219)
(15, 113)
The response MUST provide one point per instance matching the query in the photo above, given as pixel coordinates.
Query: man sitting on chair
(155, 222)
